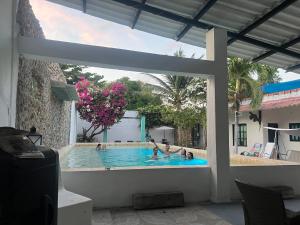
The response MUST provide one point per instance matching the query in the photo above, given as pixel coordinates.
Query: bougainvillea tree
(101, 108)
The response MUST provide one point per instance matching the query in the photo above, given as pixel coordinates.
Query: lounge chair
(263, 206)
(269, 151)
(254, 151)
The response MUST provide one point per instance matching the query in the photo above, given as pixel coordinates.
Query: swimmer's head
(155, 150)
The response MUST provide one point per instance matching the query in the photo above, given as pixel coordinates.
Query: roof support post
(84, 6)
(217, 117)
(137, 16)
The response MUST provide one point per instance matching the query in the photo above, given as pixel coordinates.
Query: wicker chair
(263, 206)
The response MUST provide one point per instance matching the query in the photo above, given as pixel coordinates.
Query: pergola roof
(267, 31)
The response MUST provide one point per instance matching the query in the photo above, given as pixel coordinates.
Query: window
(294, 126)
(242, 137)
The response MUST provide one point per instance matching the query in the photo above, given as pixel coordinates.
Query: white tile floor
(189, 215)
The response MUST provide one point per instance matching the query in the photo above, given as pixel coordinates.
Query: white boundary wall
(128, 129)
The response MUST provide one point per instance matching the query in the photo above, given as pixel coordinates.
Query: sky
(66, 24)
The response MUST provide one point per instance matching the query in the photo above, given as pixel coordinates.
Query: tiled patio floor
(189, 215)
(208, 214)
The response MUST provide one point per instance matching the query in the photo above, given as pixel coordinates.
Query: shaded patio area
(189, 215)
(196, 214)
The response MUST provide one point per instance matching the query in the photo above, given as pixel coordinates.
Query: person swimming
(155, 152)
(190, 156)
(183, 153)
(99, 147)
(165, 151)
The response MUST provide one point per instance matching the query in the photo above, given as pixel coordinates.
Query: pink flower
(100, 108)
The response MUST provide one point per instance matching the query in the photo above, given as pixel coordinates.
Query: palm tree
(173, 88)
(176, 90)
(243, 86)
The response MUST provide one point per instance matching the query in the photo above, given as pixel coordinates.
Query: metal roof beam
(271, 52)
(202, 25)
(201, 13)
(292, 68)
(137, 16)
(84, 6)
(262, 19)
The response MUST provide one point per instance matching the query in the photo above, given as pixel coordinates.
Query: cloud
(65, 24)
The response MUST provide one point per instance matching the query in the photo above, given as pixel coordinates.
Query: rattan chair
(263, 206)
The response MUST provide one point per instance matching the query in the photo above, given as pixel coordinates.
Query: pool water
(87, 157)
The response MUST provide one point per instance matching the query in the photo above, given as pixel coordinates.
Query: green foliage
(74, 72)
(241, 83)
(164, 115)
(153, 115)
(139, 94)
(267, 74)
(185, 118)
(180, 91)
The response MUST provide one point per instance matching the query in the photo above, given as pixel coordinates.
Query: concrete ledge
(73, 209)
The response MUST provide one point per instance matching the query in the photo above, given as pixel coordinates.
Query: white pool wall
(115, 188)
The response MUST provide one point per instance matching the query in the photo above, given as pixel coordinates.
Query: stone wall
(36, 105)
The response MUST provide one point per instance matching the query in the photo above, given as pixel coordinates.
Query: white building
(278, 109)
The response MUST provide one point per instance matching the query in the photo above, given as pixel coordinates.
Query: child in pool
(190, 156)
(155, 151)
(98, 147)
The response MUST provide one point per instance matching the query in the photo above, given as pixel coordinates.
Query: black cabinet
(28, 183)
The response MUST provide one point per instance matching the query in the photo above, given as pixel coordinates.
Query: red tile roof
(274, 104)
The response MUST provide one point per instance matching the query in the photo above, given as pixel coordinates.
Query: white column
(73, 124)
(217, 116)
(8, 62)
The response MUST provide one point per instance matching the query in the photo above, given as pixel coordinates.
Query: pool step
(158, 200)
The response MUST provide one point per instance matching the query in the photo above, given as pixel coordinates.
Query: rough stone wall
(36, 105)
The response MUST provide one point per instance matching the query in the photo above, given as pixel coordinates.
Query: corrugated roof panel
(188, 9)
(117, 13)
(281, 27)
(233, 15)
(195, 36)
(278, 60)
(75, 4)
(157, 25)
(284, 59)
(223, 12)
(295, 47)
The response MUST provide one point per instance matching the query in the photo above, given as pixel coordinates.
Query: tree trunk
(204, 137)
(236, 115)
(236, 132)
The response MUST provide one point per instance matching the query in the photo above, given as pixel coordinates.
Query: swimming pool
(89, 157)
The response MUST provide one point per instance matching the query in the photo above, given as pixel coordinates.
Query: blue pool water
(86, 157)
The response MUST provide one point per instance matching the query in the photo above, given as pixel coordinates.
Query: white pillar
(73, 124)
(217, 116)
(8, 62)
